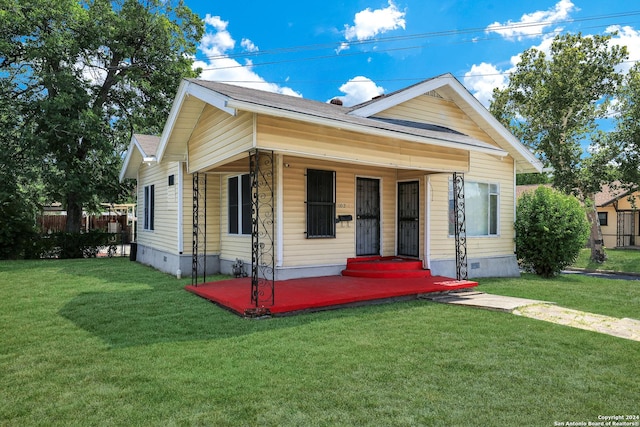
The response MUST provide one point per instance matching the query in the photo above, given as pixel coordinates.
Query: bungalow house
(295, 187)
(618, 214)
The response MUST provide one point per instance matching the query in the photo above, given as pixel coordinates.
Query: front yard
(110, 342)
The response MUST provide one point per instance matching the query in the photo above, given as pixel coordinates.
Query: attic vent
(336, 101)
(434, 94)
(378, 96)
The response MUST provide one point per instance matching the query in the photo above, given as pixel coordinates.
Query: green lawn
(617, 298)
(110, 342)
(621, 260)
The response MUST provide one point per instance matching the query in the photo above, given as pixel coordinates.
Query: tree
(551, 228)
(85, 75)
(552, 103)
(627, 132)
(19, 189)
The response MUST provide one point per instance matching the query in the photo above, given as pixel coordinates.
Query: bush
(72, 245)
(17, 229)
(551, 228)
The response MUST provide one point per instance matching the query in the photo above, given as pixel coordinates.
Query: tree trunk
(74, 214)
(595, 239)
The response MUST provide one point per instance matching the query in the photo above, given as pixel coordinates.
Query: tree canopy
(82, 76)
(627, 133)
(553, 103)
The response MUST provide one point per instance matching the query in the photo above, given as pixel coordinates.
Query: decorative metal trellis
(460, 228)
(625, 229)
(261, 167)
(199, 241)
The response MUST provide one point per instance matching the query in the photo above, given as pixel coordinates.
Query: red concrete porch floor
(322, 293)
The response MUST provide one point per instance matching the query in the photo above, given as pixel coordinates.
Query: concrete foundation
(498, 266)
(172, 263)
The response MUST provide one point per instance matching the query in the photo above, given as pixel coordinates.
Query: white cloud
(218, 42)
(629, 37)
(248, 45)
(533, 24)
(369, 23)
(359, 89)
(218, 66)
(482, 79)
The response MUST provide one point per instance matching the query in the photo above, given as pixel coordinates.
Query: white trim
(186, 89)
(306, 155)
(127, 159)
(515, 202)
(280, 211)
(211, 97)
(180, 208)
(452, 141)
(134, 144)
(427, 225)
(407, 94)
(385, 103)
(380, 207)
(398, 181)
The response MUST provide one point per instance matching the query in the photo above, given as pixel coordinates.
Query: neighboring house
(312, 184)
(618, 214)
(617, 211)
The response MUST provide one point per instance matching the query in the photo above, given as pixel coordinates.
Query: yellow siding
(300, 251)
(213, 214)
(219, 136)
(485, 169)
(323, 142)
(165, 233)
(437, 111)
(610, 231)
(232, 246)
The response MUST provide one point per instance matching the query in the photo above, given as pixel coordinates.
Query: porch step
(385, 267)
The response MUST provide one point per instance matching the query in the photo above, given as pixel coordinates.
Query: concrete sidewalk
(544, 310)
(486, 301)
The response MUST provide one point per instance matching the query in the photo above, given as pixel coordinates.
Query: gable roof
(231, 98)
(610, 193)
(194, 94)
(142, 148)
(448, 85)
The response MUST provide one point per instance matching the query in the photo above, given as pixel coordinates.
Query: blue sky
(359, 49)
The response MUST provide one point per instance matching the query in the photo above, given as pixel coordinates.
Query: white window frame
(241, 201)
(469, 211)
(149, 207)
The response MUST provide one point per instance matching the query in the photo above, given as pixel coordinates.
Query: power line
(427, 35)
(382, 80)
(332, 56)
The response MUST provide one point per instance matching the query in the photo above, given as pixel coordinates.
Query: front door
(367, 216)
(409, 218)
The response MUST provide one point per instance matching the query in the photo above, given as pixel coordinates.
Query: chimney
(336, 101)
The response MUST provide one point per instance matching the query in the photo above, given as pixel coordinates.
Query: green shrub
(551, 228)
(72, 245)
(17, 226)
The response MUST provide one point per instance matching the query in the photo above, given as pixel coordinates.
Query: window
(172, 180)
(240, 204)
(149, 202)
(321, 203)
(481, 208)
(603, 218)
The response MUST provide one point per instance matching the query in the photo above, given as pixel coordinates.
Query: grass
(619, 260)
(110, 342)
(616, 298)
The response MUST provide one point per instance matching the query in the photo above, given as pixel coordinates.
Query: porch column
(261, 167)
(460, 228)
(199, 241)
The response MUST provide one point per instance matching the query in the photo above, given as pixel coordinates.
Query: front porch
(363, 282)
